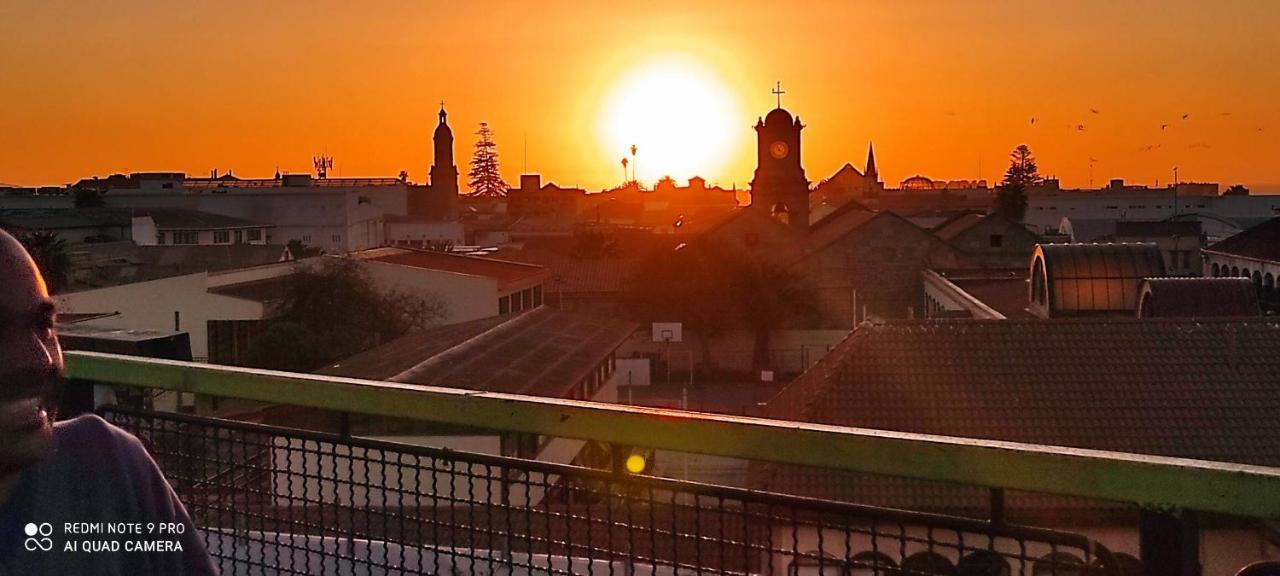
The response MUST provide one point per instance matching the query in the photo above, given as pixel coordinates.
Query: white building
(1048, 205)
(219, 309)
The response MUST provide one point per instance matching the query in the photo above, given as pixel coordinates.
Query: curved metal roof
(1198, 298)
(1094, 278)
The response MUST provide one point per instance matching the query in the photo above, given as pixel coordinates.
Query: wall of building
(875, 269)
(464, 297)
(153, 305)
(997, 243)
(1045, 210)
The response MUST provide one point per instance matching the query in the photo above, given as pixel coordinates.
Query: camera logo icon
(38, 537)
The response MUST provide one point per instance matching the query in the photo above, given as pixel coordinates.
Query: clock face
(778, 150)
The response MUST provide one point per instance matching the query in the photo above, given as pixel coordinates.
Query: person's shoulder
(92, 437)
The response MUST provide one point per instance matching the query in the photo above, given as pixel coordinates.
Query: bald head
(30, 360)
(17, 264)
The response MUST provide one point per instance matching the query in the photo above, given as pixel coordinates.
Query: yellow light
(635, 463)
(681, 116)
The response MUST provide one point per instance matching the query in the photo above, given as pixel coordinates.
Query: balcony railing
(281, 501)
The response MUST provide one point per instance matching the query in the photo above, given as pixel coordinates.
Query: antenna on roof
(323, 165)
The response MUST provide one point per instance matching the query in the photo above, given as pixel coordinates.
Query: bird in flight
(1185, 116)
(1033, 120)
(1080, 127)
(1095, 111)
(1163, 126)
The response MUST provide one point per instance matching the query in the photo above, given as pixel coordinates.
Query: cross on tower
(777, 91)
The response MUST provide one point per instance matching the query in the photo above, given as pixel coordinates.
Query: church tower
(779, 185)
(444, 174)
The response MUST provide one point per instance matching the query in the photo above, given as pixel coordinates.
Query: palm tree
(769, 296)
(50, 255)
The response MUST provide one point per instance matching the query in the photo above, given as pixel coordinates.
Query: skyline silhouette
(1099, 91)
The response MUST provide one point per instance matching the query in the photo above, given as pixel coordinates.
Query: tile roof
(573, 275)
(543, 352)
(1262, 242)
(957, 224)
(1207, 389)
(503, 271)
(1198, 297)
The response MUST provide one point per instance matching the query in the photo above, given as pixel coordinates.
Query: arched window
(781, 213)
(871, 563)
(983, 563)
(1235, 272)
(814, 563)
(1038, 292)
(1216, 271)
(1257, 279)
(1058, 564)
(928, 563)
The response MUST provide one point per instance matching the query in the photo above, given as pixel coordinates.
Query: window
(537, 296)
(996, 240)
(526, 299)
(255, 235)
(239, 236)
(504, 305)
(180, 237)
(337, 237)
(306, 237)
(160, 238)
(221, 237)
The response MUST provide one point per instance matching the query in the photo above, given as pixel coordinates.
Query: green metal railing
(1152, 482)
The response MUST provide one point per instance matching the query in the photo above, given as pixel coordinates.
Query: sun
(681, 117)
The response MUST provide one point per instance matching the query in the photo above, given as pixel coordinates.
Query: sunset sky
(941, 87)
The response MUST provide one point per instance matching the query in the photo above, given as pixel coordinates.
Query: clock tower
(779, 186)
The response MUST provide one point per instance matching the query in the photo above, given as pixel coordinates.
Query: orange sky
(188, 86)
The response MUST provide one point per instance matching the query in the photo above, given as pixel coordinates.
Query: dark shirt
(100, 478)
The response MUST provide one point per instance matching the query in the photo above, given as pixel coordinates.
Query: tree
(300, 250)
(88, 198)
(710, 290)
(485, 180)
(686, 285)
(50, 255)
(1022, 168)
(1011, 198)
(331, 312)
(1236, 190)
(767, 296)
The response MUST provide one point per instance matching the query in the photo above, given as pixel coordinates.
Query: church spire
(871, 161)
(442, 112)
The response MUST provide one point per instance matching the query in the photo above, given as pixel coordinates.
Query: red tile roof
(1207, 389)
(1262, 242)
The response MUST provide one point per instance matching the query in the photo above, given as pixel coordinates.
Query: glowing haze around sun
(682, 117)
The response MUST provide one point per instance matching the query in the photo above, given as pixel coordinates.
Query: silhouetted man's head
(30, 360)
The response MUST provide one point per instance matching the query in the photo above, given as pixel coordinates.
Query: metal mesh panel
(281, 501)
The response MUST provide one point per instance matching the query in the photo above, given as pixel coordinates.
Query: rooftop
(165, 218)
(542, 352)
(503, 271)
(1262, 242)
(1205, 389)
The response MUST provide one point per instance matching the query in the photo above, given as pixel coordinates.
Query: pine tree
(485, 179)
(1011, 198)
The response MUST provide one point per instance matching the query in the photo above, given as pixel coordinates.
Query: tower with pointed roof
(779, 185)
(444, 174)
(870, 172)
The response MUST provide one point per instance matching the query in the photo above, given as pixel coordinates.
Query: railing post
(1169, 543)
